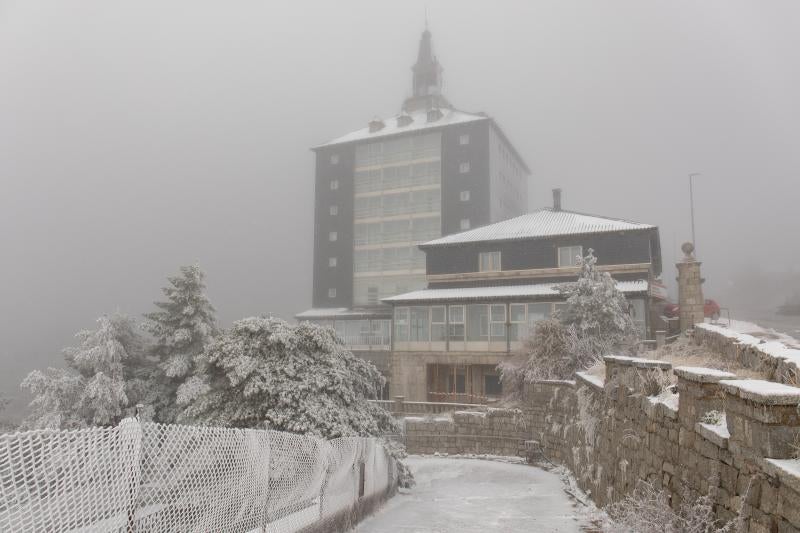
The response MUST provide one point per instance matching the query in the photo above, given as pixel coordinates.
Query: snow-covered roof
(498, 292)
(420, 122)
(544, 222)
(339, 312)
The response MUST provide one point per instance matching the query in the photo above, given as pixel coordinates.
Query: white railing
(154, 477)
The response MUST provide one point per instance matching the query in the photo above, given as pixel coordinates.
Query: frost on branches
(593, 323)
(181, 328)
(266, 373)
(595, 307)
(103, 379)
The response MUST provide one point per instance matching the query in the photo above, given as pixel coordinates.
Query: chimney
(556, 199)
(375, 125)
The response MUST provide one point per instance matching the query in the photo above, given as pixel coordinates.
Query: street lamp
(691, 205)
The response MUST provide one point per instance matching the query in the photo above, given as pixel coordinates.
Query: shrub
(647, 510)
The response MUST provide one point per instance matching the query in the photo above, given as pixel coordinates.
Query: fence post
(661, 338)
(130, 434)
(399, 408)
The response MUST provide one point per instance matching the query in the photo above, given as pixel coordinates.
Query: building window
(331, 293)
(498, 322)
(372, 295)
(419, 324)
(332, 261)
(334, 159)
(568, 256)
(456, 322)
(438, 324)
(463, 138)
(489, 262)
(465, 196)
(477, 322)
(334, 185)
(536, 313)
(464, 223)
(333, 236)
(401, 324)
(516, 318)
(492, 385)
(334, 210)
(463, 168)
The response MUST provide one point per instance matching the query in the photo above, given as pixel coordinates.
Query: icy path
(471, 495)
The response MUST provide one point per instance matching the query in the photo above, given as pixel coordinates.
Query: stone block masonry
(732, 439)
(493, 432)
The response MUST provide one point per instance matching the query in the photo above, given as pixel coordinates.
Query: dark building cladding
(429, 171)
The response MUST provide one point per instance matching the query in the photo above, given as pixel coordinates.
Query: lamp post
(691, 205)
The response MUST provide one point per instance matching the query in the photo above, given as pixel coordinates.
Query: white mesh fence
(154, 477)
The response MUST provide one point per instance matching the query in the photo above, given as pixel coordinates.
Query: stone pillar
(690, 289)
(700, 392)
(763, 418)
(399, 404)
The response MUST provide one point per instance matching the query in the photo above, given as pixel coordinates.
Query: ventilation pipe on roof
(375, 125)
(556, 199)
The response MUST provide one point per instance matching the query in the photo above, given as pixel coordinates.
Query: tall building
(429, 171)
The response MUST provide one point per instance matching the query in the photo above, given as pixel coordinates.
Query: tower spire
(427, 77)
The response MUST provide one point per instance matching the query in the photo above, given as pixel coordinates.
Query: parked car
(710, 310)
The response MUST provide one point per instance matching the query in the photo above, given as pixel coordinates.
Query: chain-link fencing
(153, 478)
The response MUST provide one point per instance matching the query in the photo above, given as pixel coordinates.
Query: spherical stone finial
(687, 248)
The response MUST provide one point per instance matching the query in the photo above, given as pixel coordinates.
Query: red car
(710, 309)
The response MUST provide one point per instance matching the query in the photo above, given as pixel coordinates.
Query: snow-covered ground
(475, 495)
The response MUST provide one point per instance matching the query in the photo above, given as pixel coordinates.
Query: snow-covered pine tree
(101, 383)
(596, 308)
(266, 373)
(184, 324)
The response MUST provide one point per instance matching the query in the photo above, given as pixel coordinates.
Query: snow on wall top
(541, 223)
(499, 292)
(420, 122)
(338, 312)
(764, 392)
(784, 348)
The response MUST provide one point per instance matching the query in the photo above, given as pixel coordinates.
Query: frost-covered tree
(596, 308)
(103, 378)
(266, 373)
(182, 327)
(593, 323)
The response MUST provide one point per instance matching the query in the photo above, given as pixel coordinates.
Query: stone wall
(772, 358)
(492, 432)
(712, 434)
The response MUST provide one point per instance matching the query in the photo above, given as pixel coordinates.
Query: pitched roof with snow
(539, 224)
(419, 123)
(499, 292)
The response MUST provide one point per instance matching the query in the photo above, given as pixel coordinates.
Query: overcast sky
(142, 135)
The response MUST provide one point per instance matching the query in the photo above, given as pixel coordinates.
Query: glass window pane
(419, 327)
(401, 324)
(477, 322)
(498, 331)
(517, 312)
(437, 314)
(499, 313)
(456, 314)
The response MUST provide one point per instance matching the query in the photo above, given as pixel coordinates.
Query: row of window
(389, 259)
(398, 203)
(568, 256)
(406, 230)
(366, 332)
(469, 323)
(377, 148)
(399, 149)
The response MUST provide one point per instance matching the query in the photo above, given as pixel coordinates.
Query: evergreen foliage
(266, 373)
(182, 327)
(103, 380)
(595, 307)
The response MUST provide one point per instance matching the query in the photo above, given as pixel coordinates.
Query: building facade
(431, 170)
(488, 287)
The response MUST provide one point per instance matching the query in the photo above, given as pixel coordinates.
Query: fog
(139, 136)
